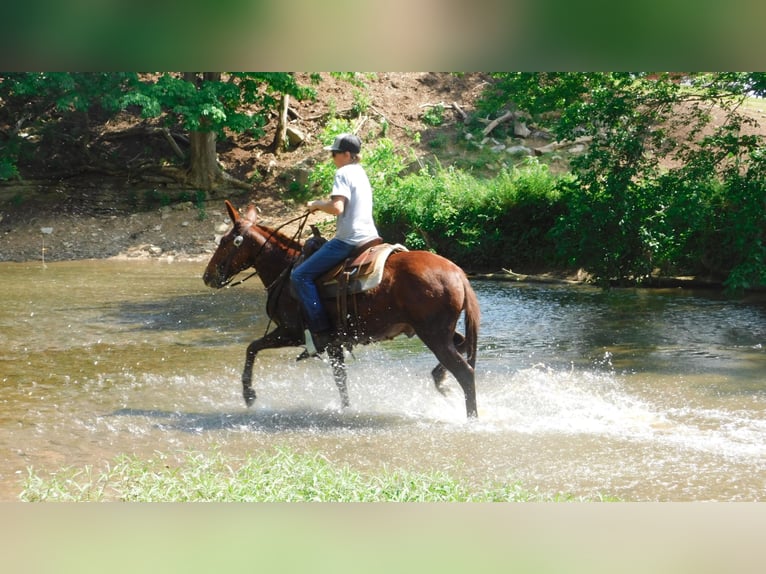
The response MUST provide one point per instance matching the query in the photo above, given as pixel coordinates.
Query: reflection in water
(646, 395)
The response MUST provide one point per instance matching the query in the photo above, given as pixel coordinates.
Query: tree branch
(496, 122)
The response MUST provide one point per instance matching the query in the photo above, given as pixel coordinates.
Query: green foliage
(8, 158)
(282, 476)
(34, 103)
(502, 222)
(381, 160)
(622, 215)
(362, 102)
(383, 163)
(434, 115)
(214, 102)
(625, 215)
(38, 94)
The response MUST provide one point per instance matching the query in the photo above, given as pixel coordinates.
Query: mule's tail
(472, 320)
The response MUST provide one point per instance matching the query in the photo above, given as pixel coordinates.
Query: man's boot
(316, 343)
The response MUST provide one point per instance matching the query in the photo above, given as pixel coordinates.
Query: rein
(240, 281)
(304, 217)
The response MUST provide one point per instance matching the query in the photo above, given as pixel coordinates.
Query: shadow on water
(268, 421)
(223, 310)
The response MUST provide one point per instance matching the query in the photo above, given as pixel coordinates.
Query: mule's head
(234, 250)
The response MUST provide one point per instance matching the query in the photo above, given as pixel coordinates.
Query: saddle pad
(365, 277)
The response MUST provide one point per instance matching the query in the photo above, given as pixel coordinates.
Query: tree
(660, 185)
(205, 104)
(37, 101)
(209, 103)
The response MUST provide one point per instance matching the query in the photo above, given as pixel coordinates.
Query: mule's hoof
(304, 355)
(249, 395)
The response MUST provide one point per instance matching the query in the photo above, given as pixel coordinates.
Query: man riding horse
(351, 201)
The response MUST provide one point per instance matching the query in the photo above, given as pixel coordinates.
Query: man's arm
(334, 205)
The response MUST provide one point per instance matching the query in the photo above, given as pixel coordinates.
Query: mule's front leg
(270, 341)
(335, 352)
(248, 392)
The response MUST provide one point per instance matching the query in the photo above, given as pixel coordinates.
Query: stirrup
(310, 350)
(310, 346)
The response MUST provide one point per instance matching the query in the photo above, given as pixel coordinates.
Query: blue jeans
(305, 275)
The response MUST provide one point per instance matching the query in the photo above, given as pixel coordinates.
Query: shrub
(478, 223)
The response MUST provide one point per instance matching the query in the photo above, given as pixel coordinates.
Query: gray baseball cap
(346, 142)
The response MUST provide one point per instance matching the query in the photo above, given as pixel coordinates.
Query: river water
(647, 395)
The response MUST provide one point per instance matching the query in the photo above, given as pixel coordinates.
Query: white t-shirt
(355, 224)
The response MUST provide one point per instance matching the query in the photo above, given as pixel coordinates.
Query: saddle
(361, 271)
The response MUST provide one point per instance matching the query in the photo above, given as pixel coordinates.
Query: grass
(281, 476)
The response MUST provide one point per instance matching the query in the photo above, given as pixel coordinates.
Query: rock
(519, 150)
(521, 130)
(184, 205)
(295, 137)
(541, 135)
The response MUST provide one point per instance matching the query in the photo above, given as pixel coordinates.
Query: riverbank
(187, 231)
(184, 230)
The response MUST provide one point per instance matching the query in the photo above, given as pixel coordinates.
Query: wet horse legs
(439, 372)
(273, 340)
(335, 352)
(451, 359)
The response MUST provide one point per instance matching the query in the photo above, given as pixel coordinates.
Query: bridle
(239, 240)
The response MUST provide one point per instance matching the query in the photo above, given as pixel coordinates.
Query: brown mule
(421, 294)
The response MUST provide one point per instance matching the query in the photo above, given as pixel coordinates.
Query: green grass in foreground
(282, 476)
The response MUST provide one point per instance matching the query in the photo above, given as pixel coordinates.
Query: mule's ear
(233, 213)
(252, 213)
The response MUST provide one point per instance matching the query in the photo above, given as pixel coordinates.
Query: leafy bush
(624, 214)
(8, 168)
(478, 223)
(434, 115)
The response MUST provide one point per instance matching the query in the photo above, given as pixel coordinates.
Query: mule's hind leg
(450, 358)
(337, 361)
(439, 373)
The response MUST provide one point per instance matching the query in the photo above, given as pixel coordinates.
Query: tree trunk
(280, 138)
(204, 171)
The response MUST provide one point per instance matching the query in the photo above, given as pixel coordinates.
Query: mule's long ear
(252, 213)
(233, 213)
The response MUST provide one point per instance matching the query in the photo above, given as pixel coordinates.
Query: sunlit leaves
(654, 157)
